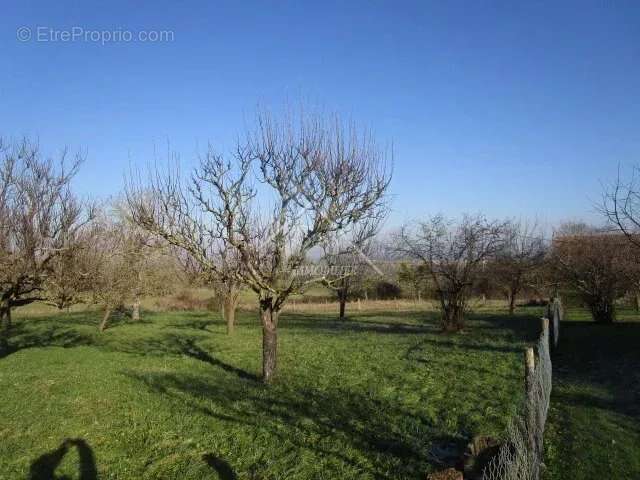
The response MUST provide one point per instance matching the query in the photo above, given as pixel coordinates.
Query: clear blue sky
(511, 108)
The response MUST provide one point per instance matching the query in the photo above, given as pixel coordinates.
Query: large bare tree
(38, 216)
(453, 255)
(286, 189)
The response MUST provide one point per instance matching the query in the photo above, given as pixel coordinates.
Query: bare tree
(69, 281)
(38, 214)
(414, 279)
(596, 264)
(621, 206)
(349, 259)
(224, 281)
(315, 178)
(112, 277)
(522, 252)
(453, 255)
(176, 211)
(127, 265)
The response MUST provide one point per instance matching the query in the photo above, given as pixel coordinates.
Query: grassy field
(594, 424)
(383, 395)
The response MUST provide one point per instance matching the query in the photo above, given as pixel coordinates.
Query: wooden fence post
(554, 314)
(530, 400)
(529, 367)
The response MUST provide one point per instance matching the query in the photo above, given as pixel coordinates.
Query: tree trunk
(452, 320)
(5, 317)
(512, 302)
(452, 314)
(602, 310)
(5, 314)
(229, 305)
(636, 298)
(135, 311)
(105, 319)
(269, 318)
(342, 300)
(5, 324)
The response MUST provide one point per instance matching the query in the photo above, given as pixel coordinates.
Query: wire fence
(521, 455)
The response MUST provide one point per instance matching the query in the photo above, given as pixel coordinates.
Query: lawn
(594, 424)
(382, 395)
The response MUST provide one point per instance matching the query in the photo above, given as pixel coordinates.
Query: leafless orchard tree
(177, 211)
(352, 253)
(523, 251)
(621, 206)
(69, 278)
(224, 281)
(313, 178)
(127, 264)
(414, 279)
(38, 216)
(453, 255)
(596, 263)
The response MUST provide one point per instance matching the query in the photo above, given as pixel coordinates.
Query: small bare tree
(414, 279)
(522, 252)
(127, 265)
(38, 216)
(224, 281)
(349, 259)
(315, 178)
(596, 264)
(177, 211)
(453, 255)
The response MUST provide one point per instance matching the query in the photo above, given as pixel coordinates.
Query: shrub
(185, 300)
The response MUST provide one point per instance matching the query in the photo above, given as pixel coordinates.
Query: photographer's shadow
(44, 467)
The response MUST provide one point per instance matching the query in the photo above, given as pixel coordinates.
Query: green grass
(380, 396)
(594, 425)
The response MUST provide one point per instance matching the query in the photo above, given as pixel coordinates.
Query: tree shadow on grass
(44, 467)
(200, 324)
(604, 356)
(334, 422)
(524, 326)
(491, 333)
(363, 324)
(184, 345)
(22, 336)
(220, 466)
(596, 376)
(187, 346)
